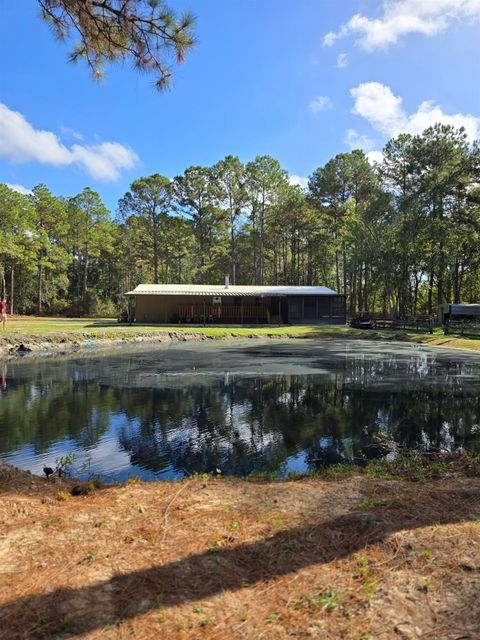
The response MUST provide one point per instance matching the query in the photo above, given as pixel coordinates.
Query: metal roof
(231, 290)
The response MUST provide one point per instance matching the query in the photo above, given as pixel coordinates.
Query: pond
(240, 406)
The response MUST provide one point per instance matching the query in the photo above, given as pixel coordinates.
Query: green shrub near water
(416, 466)
(408, 465)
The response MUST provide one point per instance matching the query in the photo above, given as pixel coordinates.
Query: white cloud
(342, 60)
(103, 161)
(428, 113)
(20, 143)
(402, 17)
(357, 141)
(299, 181)
(377, 103)
(320, 103)
(384, 110)
(374, 156)
(19, 187)
(71, 133)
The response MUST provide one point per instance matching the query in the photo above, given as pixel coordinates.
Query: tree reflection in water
(244, 422)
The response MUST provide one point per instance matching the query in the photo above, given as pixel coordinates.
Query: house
(236, 304)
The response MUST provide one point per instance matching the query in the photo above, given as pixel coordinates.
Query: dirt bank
(18, 344)
(351, 558)
(58, 343)
(65, 342)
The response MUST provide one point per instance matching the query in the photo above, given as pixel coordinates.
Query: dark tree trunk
(12, 288)
(365, 289)
(232, 250)
(40, 289)
(440, 280)
(86, 266)
(353, 291)
(4, 288)
(261, 273)
(430, 293)
(155, 258)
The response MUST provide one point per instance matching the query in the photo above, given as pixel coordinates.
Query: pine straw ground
(353, 558)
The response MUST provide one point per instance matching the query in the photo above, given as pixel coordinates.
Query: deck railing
(222, 312)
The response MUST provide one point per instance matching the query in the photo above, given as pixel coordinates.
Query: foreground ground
(66, 334)
(353, 558)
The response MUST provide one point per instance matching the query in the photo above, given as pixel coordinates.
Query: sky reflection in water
(167, 411)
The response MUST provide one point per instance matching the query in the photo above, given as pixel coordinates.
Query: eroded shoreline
(15, 345)
(66, 343)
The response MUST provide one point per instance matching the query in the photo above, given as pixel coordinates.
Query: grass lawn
(440, 340)
(99, 326)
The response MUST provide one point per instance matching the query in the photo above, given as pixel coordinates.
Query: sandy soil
(214, 558)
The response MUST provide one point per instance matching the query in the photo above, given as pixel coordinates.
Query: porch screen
(295, 309)
(310, 308)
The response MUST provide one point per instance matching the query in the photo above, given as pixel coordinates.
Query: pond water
(242, 406)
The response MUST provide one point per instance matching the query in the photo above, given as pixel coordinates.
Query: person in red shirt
(3, 311)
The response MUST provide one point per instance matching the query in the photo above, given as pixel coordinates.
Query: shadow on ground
(195, 577)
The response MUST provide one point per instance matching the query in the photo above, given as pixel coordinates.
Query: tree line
(401, 236)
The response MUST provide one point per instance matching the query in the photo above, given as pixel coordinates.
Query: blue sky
(265, 78)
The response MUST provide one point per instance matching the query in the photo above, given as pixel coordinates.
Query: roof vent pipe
(227, 282)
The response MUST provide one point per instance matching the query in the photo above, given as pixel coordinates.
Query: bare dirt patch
(216, 558)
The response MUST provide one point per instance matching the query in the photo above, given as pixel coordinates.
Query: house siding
(325, 309)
